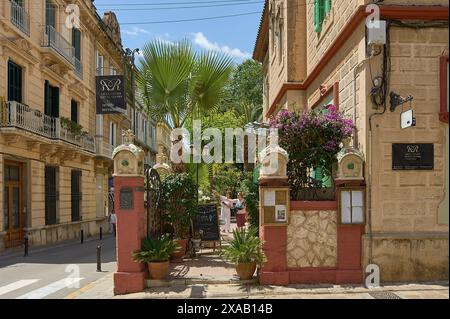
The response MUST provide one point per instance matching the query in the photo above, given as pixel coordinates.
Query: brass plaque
(269, 214)
(280, 197)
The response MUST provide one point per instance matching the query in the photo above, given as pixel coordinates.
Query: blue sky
(233, 35)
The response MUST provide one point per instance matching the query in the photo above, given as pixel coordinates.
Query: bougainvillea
(312, 140)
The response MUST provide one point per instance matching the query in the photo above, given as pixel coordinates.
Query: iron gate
(152, 202)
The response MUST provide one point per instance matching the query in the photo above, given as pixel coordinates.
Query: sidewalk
(103, 289)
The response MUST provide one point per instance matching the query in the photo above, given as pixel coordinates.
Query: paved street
(56, 272)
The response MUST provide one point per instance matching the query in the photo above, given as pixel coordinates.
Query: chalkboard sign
(417, 156)
(207, 221)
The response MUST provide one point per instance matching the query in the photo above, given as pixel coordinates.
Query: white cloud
(135, 31)
(204, 43)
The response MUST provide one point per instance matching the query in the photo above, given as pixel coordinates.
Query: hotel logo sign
(110, 94)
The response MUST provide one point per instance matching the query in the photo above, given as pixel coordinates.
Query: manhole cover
(384, 295)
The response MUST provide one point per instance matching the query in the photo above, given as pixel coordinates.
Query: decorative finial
(128, 136)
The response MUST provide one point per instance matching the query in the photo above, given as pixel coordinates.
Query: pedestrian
(113, 221)
(241, 215)
(226, 203)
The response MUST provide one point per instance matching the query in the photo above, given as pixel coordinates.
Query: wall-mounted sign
(417, 156)
(110, 94)
(126, 198)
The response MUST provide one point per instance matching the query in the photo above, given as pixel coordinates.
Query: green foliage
(226, 177)
(179, 202)
(176, 81)
(246, 85)
(251, 196)
(245, 247)
(73, 127)
(155, 250)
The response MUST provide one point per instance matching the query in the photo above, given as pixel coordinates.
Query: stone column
(129, 207)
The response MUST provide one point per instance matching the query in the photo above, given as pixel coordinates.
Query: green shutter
(317, 15)
(327, 7)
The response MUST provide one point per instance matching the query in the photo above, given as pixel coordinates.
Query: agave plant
(155, 250)
(245, 247)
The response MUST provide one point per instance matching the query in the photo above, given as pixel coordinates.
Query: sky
(234, 36)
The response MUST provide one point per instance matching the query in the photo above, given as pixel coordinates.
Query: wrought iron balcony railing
(20, 18)
(14, 114)
(54, 40)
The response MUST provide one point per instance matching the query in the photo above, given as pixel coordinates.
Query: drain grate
(384, 295)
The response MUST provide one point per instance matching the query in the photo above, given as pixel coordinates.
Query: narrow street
(56, 272)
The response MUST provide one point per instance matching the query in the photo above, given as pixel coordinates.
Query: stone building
(316, 53)
(55, 152)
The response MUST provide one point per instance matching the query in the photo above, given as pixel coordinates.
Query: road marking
(16, 285)
(50, 289)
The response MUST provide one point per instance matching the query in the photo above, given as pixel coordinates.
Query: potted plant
(179, 206)
(156, 253)
(197, 240)
(245, 251)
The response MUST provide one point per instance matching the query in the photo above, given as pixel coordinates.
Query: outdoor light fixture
(397, 99)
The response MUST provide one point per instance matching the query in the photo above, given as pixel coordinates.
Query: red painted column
(130, 276)
(274, 272)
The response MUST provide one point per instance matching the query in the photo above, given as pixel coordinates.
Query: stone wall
(312, 239)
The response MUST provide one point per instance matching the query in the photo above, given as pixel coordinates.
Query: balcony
(103, 148)
(64, 50)
(20, 18)
(78, 68)
(17, 115)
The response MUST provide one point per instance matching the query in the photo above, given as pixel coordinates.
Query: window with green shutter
(321, 9)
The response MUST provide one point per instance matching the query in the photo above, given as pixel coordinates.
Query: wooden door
(14, 218)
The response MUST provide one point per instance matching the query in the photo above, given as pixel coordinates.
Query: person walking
(241, 215)
(113, 221)
(226, 203)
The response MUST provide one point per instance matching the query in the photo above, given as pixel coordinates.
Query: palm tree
(178, 82)
(250, 113)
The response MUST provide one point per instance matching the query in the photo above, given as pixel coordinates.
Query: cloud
(204, 43)
(135, 31)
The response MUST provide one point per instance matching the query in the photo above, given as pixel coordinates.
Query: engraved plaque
(126, 198)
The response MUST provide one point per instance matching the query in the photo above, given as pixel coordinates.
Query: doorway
(14, 218)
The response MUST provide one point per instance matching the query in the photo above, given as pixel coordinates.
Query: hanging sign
(110, 94)
(418, 156)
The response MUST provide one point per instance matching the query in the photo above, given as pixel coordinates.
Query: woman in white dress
(227, 204)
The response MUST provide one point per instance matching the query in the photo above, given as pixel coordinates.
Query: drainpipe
(356, 70)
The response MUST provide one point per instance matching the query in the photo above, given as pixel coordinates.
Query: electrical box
(376, 33)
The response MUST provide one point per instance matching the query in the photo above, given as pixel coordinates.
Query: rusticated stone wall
(312, 239)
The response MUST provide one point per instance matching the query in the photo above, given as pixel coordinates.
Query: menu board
(207, 222)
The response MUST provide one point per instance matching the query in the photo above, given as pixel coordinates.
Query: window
(100, 64)
(74, 111)
(51, 100)
(51, 195)
(280, 34)
(321, 10)
(76, 195)
(14, 82)
(112, 133)
(50, 14)
(351, 206)
(112, 68)
(76, 42)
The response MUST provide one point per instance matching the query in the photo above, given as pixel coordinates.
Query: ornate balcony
(103, 149)
(23, 117)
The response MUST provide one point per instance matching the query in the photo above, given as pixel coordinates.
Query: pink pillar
(130, 276)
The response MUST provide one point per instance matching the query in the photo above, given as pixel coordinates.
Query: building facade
(55, 152)
(316, 53)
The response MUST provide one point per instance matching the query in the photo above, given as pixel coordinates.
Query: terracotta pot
(158, 270)
(245, 271)
(178, 256)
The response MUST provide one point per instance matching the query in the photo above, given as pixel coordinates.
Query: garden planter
(245, 271)
(178, 256)
(158, 270)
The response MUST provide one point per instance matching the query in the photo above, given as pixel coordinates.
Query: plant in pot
(245, 251)
(156, 253)
(179, 206)
(197, 240)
